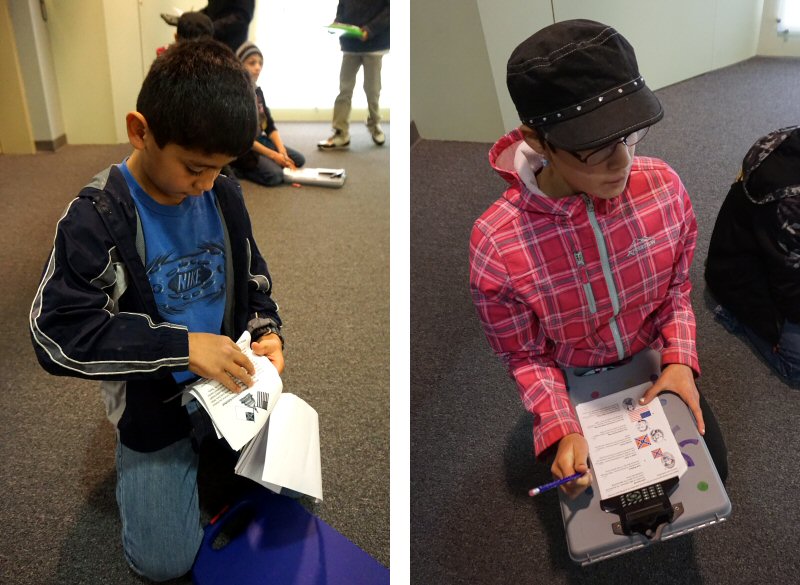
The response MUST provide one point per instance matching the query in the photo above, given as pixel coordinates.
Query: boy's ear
(137, 128)
(532, 139)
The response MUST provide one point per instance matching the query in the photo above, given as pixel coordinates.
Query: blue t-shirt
(184, 259)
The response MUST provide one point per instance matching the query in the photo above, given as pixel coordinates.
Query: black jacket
(266, 126)
(94, 315)
(231, 20)
(371, 15)
(753, 265)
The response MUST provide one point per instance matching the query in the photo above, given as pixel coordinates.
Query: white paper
(630, 446)
(239, 417)
(286, 451)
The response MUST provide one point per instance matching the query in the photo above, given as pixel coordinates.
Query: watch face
(272, 329)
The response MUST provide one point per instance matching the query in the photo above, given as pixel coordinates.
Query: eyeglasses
(604, 153)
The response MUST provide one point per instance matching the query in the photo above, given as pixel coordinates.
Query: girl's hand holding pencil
(571, 460)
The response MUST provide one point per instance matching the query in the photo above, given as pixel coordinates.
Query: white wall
(304, 86)
(452, 89)
(102, 50)
(737, 32)
(38, 72)
(503, 31)
(80, 55)
(125, 62)
(16, 135)
(674, 41)
(772, 44)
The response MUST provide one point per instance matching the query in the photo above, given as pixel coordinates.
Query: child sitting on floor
(264, 163)
(752, 268)
(584, 261)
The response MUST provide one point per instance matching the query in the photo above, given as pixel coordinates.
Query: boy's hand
(678, 378)
(571, 457)
(288, 162)
(282, 160)
(218, 358)
(271, 346)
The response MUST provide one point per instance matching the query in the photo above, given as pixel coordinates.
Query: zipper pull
(579, 258)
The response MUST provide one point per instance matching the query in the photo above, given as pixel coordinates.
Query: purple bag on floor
(281, 542)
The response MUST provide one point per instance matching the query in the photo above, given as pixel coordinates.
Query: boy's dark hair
(199, 96)
(194, 25)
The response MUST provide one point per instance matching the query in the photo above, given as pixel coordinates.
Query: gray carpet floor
(328, 252)
(471, 464)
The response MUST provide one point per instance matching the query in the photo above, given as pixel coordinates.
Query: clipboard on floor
(334, 178)
(697, 499)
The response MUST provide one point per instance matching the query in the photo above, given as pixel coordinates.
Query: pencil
(554, 484)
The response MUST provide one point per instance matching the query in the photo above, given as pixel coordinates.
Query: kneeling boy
(154, 271)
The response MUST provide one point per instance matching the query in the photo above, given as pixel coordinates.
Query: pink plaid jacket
(582, 282)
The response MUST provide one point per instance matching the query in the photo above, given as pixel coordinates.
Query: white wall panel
(673, 40)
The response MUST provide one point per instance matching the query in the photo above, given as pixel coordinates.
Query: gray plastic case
(334, 178)
(700, 491)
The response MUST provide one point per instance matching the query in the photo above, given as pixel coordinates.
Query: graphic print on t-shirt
(181, 281)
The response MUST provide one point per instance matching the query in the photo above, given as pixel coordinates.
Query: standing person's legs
(372, 87)
(351, 62)
(159, 509)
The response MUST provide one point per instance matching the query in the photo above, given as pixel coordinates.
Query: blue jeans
(269, 173)
(784, 358)
(159, 508)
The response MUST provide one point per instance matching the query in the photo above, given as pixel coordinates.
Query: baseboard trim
(51, 145)
(415, 137)
(323, 115)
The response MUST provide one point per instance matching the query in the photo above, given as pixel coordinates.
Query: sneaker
(338, 141)
(378, 137)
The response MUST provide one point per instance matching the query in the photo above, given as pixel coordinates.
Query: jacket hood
(771, 168)
(517, 163)
(501, 156)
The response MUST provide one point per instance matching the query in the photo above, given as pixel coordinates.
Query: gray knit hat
(246, 49)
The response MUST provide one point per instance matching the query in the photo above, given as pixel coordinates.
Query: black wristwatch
(259, 332)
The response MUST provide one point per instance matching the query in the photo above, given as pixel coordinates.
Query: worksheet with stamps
(630, 445)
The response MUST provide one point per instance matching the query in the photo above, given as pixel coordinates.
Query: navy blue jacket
(94, 315)
(372, 15)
